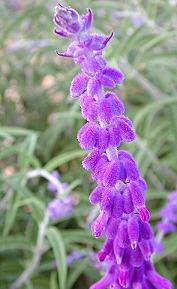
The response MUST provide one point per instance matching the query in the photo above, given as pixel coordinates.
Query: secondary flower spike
(123, 216)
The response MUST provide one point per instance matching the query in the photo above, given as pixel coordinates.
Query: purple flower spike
(123, 217)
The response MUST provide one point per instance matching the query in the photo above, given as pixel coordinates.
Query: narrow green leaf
(56, 241)
(63, 158)
(14, 243)
(76, 272)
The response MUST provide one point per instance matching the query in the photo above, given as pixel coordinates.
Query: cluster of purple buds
(123, 216)
(168, 215)
(61, 206)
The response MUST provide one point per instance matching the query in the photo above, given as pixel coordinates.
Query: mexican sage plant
(123, 216)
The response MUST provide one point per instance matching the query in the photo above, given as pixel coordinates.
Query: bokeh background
(39, 122)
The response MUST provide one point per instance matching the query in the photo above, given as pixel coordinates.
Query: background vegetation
(39, 122)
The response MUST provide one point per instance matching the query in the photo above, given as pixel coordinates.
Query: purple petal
(117, 105)
(96, 195)
(104, 110)
(116, 75)
(92, 86)
(106, 81)
(91, 159)
(102, 142)
(87, 135)
(78, 85)
(111, 175)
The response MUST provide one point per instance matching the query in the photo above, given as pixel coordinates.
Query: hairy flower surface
(123, 216)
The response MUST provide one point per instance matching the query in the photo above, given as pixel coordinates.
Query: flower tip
(144, 214)
(102, 255)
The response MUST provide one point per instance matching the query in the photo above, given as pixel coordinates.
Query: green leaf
(14, 243)
(63, 158)
(57, 244)
(76, 272)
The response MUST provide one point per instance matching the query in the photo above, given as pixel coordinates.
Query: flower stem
(38, 251)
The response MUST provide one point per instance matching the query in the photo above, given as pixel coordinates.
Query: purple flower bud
(58, 208)
(136, 259)
(102, 142)
(89, 109)
(116, 104)
(104, 110)
(137, 278)
(67, 18)
(122, 237)
(146, 231)
(51, 186)
(128, 204)
(118, 205)
(96, 195)
(137, 195)
(91, 159)
(133, 232)
(105, 250)
(144, 214)
(100, 167)
(106, 81)
(78, 85)
(124, 278)
(118, 251)
(157, 280)
(106, 200)
(111, 175)
(87, 19)
(92, 86)
(129, 165)
(99, 224)
(99, 41)
(126, 132)
(87, 135)
(114, 137)
(112, 228)
(144, 246)
(165, 226)
(115, 74)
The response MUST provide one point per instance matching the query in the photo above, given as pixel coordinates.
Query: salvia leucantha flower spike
(123, 216)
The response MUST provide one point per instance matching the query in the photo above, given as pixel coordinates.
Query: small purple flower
(168, 221)
(60, 206)
(74, 255)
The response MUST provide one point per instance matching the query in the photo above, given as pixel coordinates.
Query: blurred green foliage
(39, 123)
